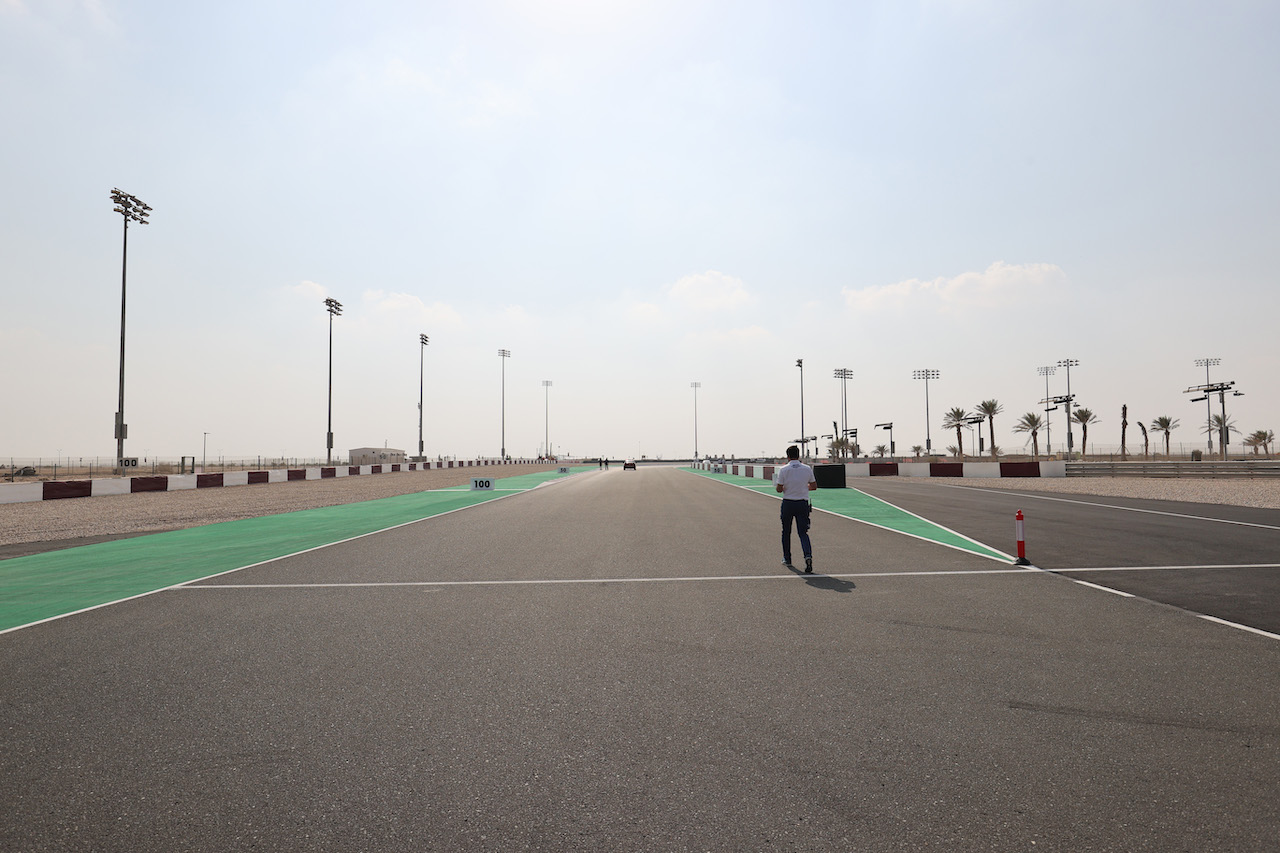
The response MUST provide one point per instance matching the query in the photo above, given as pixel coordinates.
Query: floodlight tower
(1069, 363)
(1046, 372)
(844, 374)
(926, 374)
(695, 386)
(546, 413)
(804, 440)
(334, 308)
(504, 354)
(133, 209)
(423, 340)
(1206, 363)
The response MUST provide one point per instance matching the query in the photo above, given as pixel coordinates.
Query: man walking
(795, 480)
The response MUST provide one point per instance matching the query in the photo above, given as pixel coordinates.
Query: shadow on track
(821, 581)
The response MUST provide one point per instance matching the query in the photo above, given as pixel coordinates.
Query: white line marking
(1003, 558)
(1169, 568)
(571, 581)
(1103, 588)
(1257, 631)
(1115, 506)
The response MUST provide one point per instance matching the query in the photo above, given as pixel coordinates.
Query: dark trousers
(799, 511)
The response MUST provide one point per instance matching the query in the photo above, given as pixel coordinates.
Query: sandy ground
(80, 520)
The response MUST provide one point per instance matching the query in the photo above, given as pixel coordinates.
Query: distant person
(795, 481)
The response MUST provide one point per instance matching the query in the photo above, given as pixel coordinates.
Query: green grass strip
(43, 586)
(860, 506)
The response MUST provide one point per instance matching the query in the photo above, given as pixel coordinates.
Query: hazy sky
(630, 196)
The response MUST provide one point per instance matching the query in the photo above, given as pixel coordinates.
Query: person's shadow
(821, 581)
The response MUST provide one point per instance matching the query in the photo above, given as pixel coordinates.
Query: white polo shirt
(794, 477)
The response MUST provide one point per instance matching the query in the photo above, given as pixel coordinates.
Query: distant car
(630, 463)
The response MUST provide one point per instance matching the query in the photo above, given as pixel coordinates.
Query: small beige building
(377, 456)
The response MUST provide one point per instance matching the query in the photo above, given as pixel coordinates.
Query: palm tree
(1166, 425)
(1031, 422)
(1146, 442)
(1223, 427)
(917, 451)
(1261, 438)
(989, 409)
(1084, 417)
(1254, 440)
(881, 450)
(955, 419)
(1124, 425)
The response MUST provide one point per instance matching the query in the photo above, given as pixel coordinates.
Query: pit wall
(989, 470)
(49, 490)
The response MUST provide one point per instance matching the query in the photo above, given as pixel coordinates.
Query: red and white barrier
(58, 489)
(1020, 534)
(987, 470)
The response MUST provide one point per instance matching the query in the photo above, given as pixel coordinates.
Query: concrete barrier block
(180, 482)
(14, 493)
(114, 486)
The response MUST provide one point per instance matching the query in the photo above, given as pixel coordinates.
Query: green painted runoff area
(42, 586)
(860, 506)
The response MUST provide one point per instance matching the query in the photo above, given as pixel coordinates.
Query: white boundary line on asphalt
(1043, 497)
(1170, 568)
(579, 581)
(1257, 631)
(1005, 558)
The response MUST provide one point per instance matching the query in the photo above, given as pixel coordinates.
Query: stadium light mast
(133, 209)
(334, 307)
(1206, 363)
(1046, 372)
(504, 354)
(423, 340)
(844, 374)
(804, 440)
(546, 426)
(1069, 363)
(695, 386)
(926, 374)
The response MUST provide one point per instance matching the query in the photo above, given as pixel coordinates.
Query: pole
(928, 439)
(546, 436)
(422, 361)
(504, 355)
(1224, 434)
(695, 386)
(804, 441)
(124, 270)
(328, 441)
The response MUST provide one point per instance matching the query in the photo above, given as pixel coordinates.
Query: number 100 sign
(481, 484)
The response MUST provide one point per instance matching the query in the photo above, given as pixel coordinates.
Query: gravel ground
(27, 528)
(1264, 493)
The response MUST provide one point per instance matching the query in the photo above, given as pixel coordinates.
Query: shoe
(808, 565)
(787, 563)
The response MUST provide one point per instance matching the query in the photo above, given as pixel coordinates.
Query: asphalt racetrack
(618, 661)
